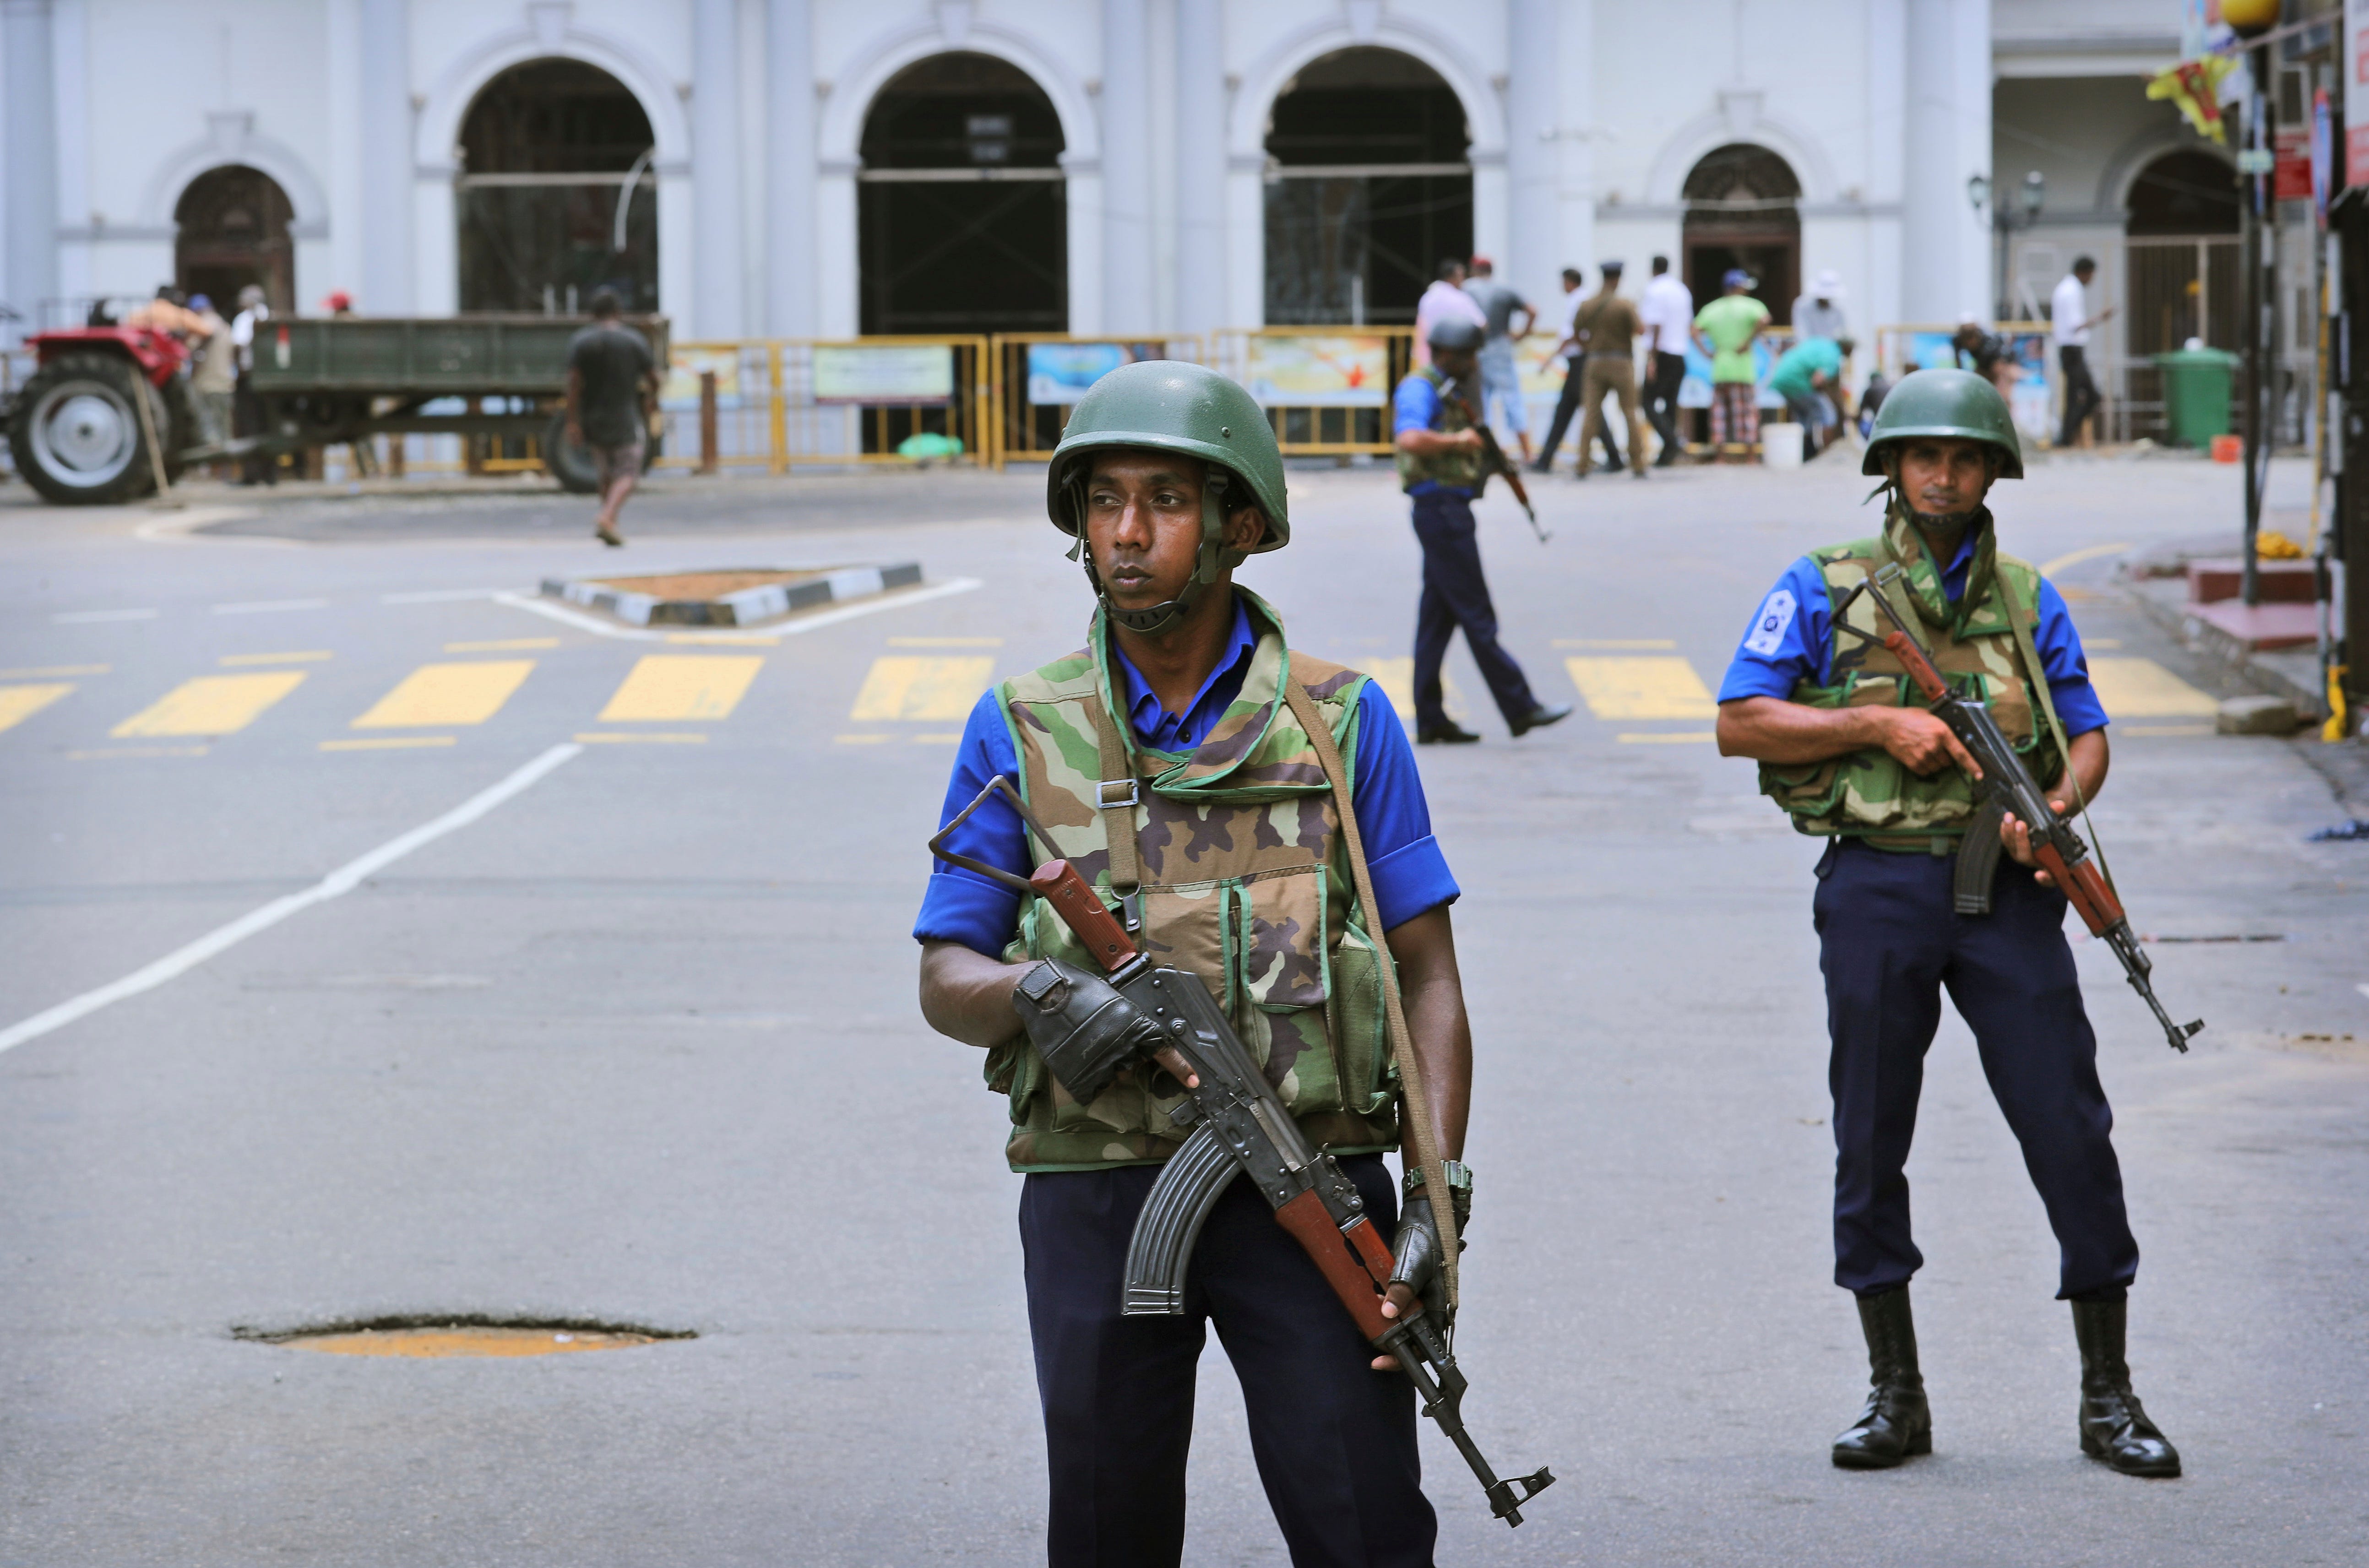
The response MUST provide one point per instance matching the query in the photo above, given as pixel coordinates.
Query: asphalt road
(638, 1045)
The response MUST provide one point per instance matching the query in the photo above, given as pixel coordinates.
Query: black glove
(1417, 1251)
(1084, 1029)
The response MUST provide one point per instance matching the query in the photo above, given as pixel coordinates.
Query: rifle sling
(2038, 673)
(1418, 1124)
(1116, 793)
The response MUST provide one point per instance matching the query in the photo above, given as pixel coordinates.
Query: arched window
(233, 230)
(556, 196)
(1368, 187)
(962, 207)
(1741, 212)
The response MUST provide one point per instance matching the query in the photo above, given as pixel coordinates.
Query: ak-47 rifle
(1244, 1130)
(1494, 461)
(2007, 787)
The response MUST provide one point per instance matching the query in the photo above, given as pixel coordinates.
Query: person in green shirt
(1808, 377)
(1725, 329)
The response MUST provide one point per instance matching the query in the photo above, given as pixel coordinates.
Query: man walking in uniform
(1169, 477)
(2069, 323)
(1845, 748)
(1668, 310)
(1609, 325)
(1574, 354)
(1439, 467)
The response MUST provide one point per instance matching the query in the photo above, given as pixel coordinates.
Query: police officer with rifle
(1920, 699)
(1171, 912)
(1445, 456)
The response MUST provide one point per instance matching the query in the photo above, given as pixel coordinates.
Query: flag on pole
(2194, 87)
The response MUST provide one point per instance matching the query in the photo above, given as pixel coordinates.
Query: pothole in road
(434, 1338)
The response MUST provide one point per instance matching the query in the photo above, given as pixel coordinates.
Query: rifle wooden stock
(1059, 884)
(1920, 668)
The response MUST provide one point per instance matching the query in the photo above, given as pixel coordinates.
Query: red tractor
(82, 428)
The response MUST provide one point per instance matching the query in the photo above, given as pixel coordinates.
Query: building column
(1127, 169)
(31, 139)
(790, 237)
(1532, 222)
(716, 169)
(1200, 165)
(385, 113)
(1945, 243)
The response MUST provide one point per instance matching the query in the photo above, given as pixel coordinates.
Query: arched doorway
(1368, 185)
(2181, 266)
(556, 195)
(1741, 212)
(962, 208)
(232, 230)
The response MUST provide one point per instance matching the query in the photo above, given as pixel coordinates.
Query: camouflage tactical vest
(1869, 794)
(1245, 882)
(1459, 470)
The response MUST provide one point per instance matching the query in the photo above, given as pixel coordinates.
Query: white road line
(439, 596)
(88, 617)
(344, 879)
(265, 606)
(583, 623)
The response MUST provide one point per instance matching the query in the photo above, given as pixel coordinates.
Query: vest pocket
(1359, 1024)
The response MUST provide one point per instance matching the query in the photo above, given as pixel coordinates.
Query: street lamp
(2029, 196)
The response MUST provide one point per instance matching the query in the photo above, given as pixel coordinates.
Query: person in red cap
(339, 304)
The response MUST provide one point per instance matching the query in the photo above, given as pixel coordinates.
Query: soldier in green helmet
(1847, 747)
(1164, 761)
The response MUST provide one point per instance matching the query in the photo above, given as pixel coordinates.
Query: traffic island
(732, 597)
(435, 1337)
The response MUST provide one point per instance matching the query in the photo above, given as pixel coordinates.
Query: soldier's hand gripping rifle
(1088, 1028)
(2007, 788)
(1494, 461)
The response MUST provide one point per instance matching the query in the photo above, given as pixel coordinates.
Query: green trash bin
(2197, 394)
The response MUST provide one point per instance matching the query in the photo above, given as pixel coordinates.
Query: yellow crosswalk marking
(2140, 688)
(211, 704)
(18, 704)
(906, 688)
(439, 694)
(681, 686)
(1395, 676)
(1665, 687)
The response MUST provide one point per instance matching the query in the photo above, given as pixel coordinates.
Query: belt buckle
(1134, 788)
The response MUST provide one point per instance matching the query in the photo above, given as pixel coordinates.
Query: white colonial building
(804, 168)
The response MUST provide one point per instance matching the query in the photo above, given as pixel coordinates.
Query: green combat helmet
(1169, 406)
(1945, 403)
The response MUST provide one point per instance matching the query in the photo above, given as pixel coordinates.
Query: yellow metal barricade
(784, 403)
(1326, 389)
(1039, 376)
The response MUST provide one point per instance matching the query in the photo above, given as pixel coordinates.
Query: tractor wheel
(76, 433)
(572, 466)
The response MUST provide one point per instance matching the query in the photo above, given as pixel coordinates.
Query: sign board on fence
(1061, 372)
(844, 373)
(683, 374)
(2030, 392)
(1319, 371)
(2356, 92)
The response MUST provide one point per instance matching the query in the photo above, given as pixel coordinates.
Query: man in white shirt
(2069, 322)
(1819, 313)
(1445, 297)
(1668, 310)
(246, 408)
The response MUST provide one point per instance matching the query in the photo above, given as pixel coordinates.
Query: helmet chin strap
(1213, 559)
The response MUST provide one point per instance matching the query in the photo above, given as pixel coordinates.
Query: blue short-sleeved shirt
(1415, 406)
(1789, 637)
(1410, 873)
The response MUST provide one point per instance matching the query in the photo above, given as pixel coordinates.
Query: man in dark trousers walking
(1440, 467)
(612, 382)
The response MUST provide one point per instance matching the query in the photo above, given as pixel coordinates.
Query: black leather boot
(1897, 1423)
(2114, 1426)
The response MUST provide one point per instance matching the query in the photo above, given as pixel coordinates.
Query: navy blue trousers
(1890, 943)
(1456, 595)
(1335, 1440)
